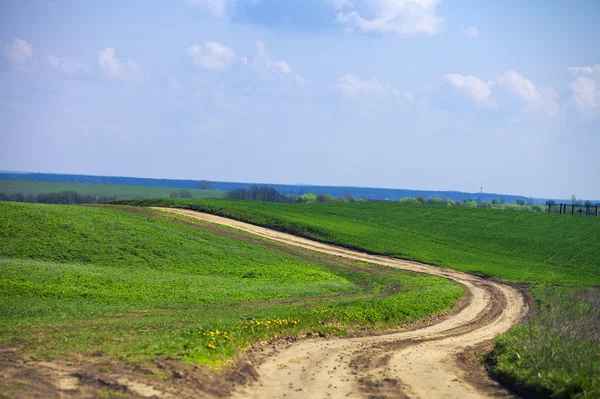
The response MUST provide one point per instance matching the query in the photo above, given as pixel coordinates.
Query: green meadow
(137, 284)
(513, 246)
(9, 187)
(556, 351)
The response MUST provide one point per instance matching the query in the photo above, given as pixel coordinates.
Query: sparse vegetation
(556, 352)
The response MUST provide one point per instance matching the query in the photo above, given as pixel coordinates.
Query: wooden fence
(574, 209)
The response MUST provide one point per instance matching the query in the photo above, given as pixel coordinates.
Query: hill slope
(514, 246)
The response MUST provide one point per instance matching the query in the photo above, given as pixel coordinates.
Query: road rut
(421, 363)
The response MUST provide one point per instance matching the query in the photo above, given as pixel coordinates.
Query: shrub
(325, 198)
(308, 198)
(408, 200)
(538, 208)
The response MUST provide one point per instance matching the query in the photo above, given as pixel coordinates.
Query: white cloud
(70, 67)
(282, 66)
(471, 32)
(212, 55)
(18, 52)
(262, 59)
(402, 17)
(218, 7)
(586, 89)
(522, 87)
(476, 88)
(587, 70)
(408, 95)
(340, 4)
(353, 86)
(537, 99)
(114, 68)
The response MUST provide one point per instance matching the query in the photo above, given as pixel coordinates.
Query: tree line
(268, 194)
(62, 197)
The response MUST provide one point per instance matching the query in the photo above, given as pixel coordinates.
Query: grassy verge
(556, 353)
(9, 187)
(513, 246)
(138, 284)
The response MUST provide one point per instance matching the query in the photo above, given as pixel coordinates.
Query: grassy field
(513, 246)
(99, 190)
(556, 353)
(137, 284)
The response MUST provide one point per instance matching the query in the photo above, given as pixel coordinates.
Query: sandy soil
(426, 362)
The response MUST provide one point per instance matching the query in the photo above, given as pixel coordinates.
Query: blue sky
(421, 94)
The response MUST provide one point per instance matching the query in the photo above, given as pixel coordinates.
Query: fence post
(596, 210)
(549, 207)
(573, 209)
(587, 210)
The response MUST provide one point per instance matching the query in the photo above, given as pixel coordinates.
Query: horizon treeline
(66, 197)
(268, 194)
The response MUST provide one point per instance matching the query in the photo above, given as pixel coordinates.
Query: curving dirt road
(421, 363)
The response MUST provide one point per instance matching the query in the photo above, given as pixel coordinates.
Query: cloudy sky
(422, 94)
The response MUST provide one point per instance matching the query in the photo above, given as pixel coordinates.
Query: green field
(136, 284)
(556, 352)
(99, 190)
(513, 246)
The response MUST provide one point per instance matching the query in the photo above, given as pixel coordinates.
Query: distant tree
(348, 195)
(587, 203)
(174, 194)
(529, 201)
(325, 198)
(467, 204)
(204, 185)
(520, 201)
(484, 205)
(550, 202)
(573, 199)
(538, 208)
(259, 193)
(408, 200)
(421, 199)
(185, 194)
(308, 198)
(495, 201)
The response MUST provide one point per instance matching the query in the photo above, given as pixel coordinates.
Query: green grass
(100, 190)
(136, 284)
(557, 351)
(513, 246)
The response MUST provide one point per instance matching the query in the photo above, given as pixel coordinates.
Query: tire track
(416, 364)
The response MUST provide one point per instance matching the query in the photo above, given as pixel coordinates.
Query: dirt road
(421, 363)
